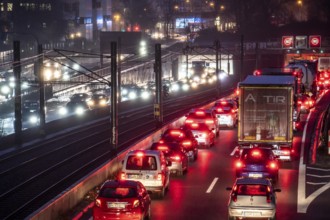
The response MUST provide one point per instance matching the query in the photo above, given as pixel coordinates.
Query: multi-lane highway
(201, 193)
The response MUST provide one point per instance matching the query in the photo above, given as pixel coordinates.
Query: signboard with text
(301, 42)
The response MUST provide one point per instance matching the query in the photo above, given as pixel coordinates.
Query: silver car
(252, 198)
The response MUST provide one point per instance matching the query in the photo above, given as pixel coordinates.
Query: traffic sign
(301, 42)
(314, 41)
(287, 42)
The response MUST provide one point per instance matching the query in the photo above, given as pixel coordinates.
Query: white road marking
(212, 185)
(315, 168)
(318, 176)
(302, 201)
(311, 183)
(233, 152)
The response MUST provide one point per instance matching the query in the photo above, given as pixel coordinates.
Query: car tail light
(136, 203)
(98, 202)
(286, 152)
(299, 102)
(176, 158)
(176, 133)
(159, 176)
(162, 148)
(219, 110)
(200, 113)
(239, 164)
(256, 153)
(233, 111)
(189, 121)
(268, 197)
(140, 154)
(209, 121)
(186, 143)
(234, 194)
(161, 141)
(273, 165)
(122, 176)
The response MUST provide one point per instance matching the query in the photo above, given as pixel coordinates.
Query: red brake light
(186, 143)
(286, 152)
(239, 164)
(223, 102)
(176, 158)
(256, 153)
(159, 176)
(176, 133)
(189, 121)
(200, 113)
(98, 202)
(268, 195)
(209, 121)
(194, 125)
(233, 111)
(162, 148)
(140, 154)
(219, 110)
(273, 165)
(161, 141)
(122, 176)
(136, 203)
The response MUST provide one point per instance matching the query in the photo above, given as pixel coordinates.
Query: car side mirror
(229, 188)
(277, 190)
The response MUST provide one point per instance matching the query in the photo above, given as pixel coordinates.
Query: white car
(252, 198)
(149, 167)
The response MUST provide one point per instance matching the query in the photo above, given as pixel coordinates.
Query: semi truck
(266, 113)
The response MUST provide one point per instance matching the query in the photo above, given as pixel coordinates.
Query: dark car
(30, 111)
(183, 136)
(78, 104)
(257, 162)
(176, 154)
(98, 100)
(122, 199)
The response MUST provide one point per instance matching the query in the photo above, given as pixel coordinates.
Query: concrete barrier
(73, 195)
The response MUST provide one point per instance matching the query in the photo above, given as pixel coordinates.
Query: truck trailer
(266, 111)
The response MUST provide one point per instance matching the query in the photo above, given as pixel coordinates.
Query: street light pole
(217, 48)
(42, 91)
(18, 98)
(114, 104)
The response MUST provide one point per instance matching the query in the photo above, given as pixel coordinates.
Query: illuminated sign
(184, 22)
(315, 41)
(287, 42)
(301, 42)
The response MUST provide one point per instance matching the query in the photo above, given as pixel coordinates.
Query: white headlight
(145, 95)
(79, 110)
(33, 119)
(185, 87)
(63, 111)
(132, 95)
(175, 87)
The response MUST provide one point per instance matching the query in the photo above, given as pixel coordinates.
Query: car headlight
(124, 92)
(103, 102)
(132, 95)
(175, 87)
(185, 87)
(79, 110)
(33, 119)
(63, 111)
(91, 103)
(145, 95)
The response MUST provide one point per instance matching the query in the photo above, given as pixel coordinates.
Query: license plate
(255, 175)
(113, 205)
(134, 176)
(252, 214)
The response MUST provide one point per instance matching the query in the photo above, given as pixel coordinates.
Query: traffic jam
(265, 109)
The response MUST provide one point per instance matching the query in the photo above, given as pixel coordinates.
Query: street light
(300, 4)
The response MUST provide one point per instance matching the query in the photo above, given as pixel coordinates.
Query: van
(149, 167)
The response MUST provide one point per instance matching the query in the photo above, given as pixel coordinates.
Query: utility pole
(242, 56)
(158, 106)
(18, 99)
(217, 47)
(114, 104)
(42, 90)
(187, 62)
(94, 20)
(119, 70)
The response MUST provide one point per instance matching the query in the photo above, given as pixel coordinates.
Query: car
(227, 112)
(122, 199)
(257, 162)
(206, 116)
(132, 92)
(252, 198)
(183, 136)
(305, 103)
(77, 104)
(202, 133)
(149, 167)
(98, 100)
(175, 154)
(30, 111)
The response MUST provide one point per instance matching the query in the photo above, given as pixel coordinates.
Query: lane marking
(318, 176)
(233, 152)
(311, 183)
(212, 185)
(315, 168)
(302, 201)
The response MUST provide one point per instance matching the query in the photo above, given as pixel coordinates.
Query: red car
(184, 137)
(122, 199)
(205, 116)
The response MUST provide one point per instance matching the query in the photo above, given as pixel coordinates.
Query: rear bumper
(251, 212)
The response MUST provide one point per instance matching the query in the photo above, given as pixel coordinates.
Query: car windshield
(252, 190)
(118, 193)
(136, 162)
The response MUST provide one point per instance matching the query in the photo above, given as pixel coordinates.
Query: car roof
(147, 152)
(120, 183)
(246, 180)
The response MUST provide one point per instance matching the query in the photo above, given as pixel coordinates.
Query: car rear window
(252, 190)
(118, 192)
(249, 157)
(146, 162)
